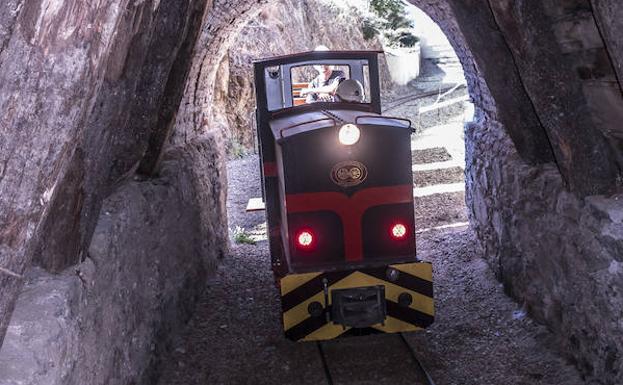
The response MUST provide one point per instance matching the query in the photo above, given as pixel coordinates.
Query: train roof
(294, 124)
(316, 55)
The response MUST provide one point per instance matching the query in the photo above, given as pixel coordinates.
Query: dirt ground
(480, 336)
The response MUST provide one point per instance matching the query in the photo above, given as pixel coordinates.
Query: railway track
(423, 377)
(419, 95)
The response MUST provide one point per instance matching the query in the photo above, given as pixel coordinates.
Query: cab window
(289, 85)
(317, 83)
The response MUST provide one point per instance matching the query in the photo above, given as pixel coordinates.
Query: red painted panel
(350, 209)
(270, 169)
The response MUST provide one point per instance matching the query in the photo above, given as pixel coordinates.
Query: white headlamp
(349, 134)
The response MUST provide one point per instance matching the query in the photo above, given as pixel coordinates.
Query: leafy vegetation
(389, 19)
(242, 236)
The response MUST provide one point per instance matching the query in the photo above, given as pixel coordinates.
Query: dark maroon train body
(338, 192)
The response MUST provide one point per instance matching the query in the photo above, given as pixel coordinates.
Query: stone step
(437, 165)
(440, 209)
(430, 155)
(442, 227)
(438, 189)
(438, 50)
(443, 104)
(439, 177)
(443, 135)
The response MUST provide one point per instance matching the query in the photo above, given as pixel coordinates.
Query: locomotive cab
(338, 192)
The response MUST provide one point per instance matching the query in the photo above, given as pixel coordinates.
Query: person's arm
(305, 91)
(328, 89)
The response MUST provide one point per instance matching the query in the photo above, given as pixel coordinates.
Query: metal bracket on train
(304, 124)
(386, 118)
(358, 307)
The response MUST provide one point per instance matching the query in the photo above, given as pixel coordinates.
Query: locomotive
(337, 187)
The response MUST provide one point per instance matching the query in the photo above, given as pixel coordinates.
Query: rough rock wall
(582, 117)
(282, 27)
(104, 320)
(560, 256)
(609, 18)
(221, 27)
(548, 66)
(557, 253)
(82, 84)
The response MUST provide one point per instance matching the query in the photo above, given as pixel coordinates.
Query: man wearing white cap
(322, 87)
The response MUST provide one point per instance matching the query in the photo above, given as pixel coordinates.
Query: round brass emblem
(349, 173)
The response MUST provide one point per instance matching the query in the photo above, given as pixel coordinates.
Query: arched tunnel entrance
(462, 278)
(436, 102)
(113, 197)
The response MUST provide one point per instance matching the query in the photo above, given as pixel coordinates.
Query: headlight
(349, 134)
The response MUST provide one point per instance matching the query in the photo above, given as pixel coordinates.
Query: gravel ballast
(480, 336)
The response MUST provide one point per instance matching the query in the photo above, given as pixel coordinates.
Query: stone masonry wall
(557, 253)
(559, 256)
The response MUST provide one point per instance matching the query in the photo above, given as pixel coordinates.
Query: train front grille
(358, 307)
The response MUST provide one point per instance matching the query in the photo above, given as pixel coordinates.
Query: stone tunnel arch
(505, 119)
(533, 154)
(517, 148)
(517, 115)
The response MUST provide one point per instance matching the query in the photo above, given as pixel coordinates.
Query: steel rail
(422, 372)
(419, 95)
(417, 362)
(325, 365)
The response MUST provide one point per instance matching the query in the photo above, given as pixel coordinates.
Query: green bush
(237, 150)
(392, 13)
(400, 38)
(369, 29)
(389, 18)
(407, 39)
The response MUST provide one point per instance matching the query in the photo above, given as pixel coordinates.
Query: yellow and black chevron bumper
(304, 320)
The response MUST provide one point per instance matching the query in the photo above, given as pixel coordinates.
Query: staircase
(438, 174)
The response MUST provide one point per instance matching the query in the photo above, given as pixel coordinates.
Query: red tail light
(304, 239)
(398, 231)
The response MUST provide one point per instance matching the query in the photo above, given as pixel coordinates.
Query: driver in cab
(322, 88)
(332, 86)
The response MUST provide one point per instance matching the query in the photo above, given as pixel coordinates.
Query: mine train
(338, 193)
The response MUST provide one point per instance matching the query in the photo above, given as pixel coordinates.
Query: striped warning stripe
(300, 290)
